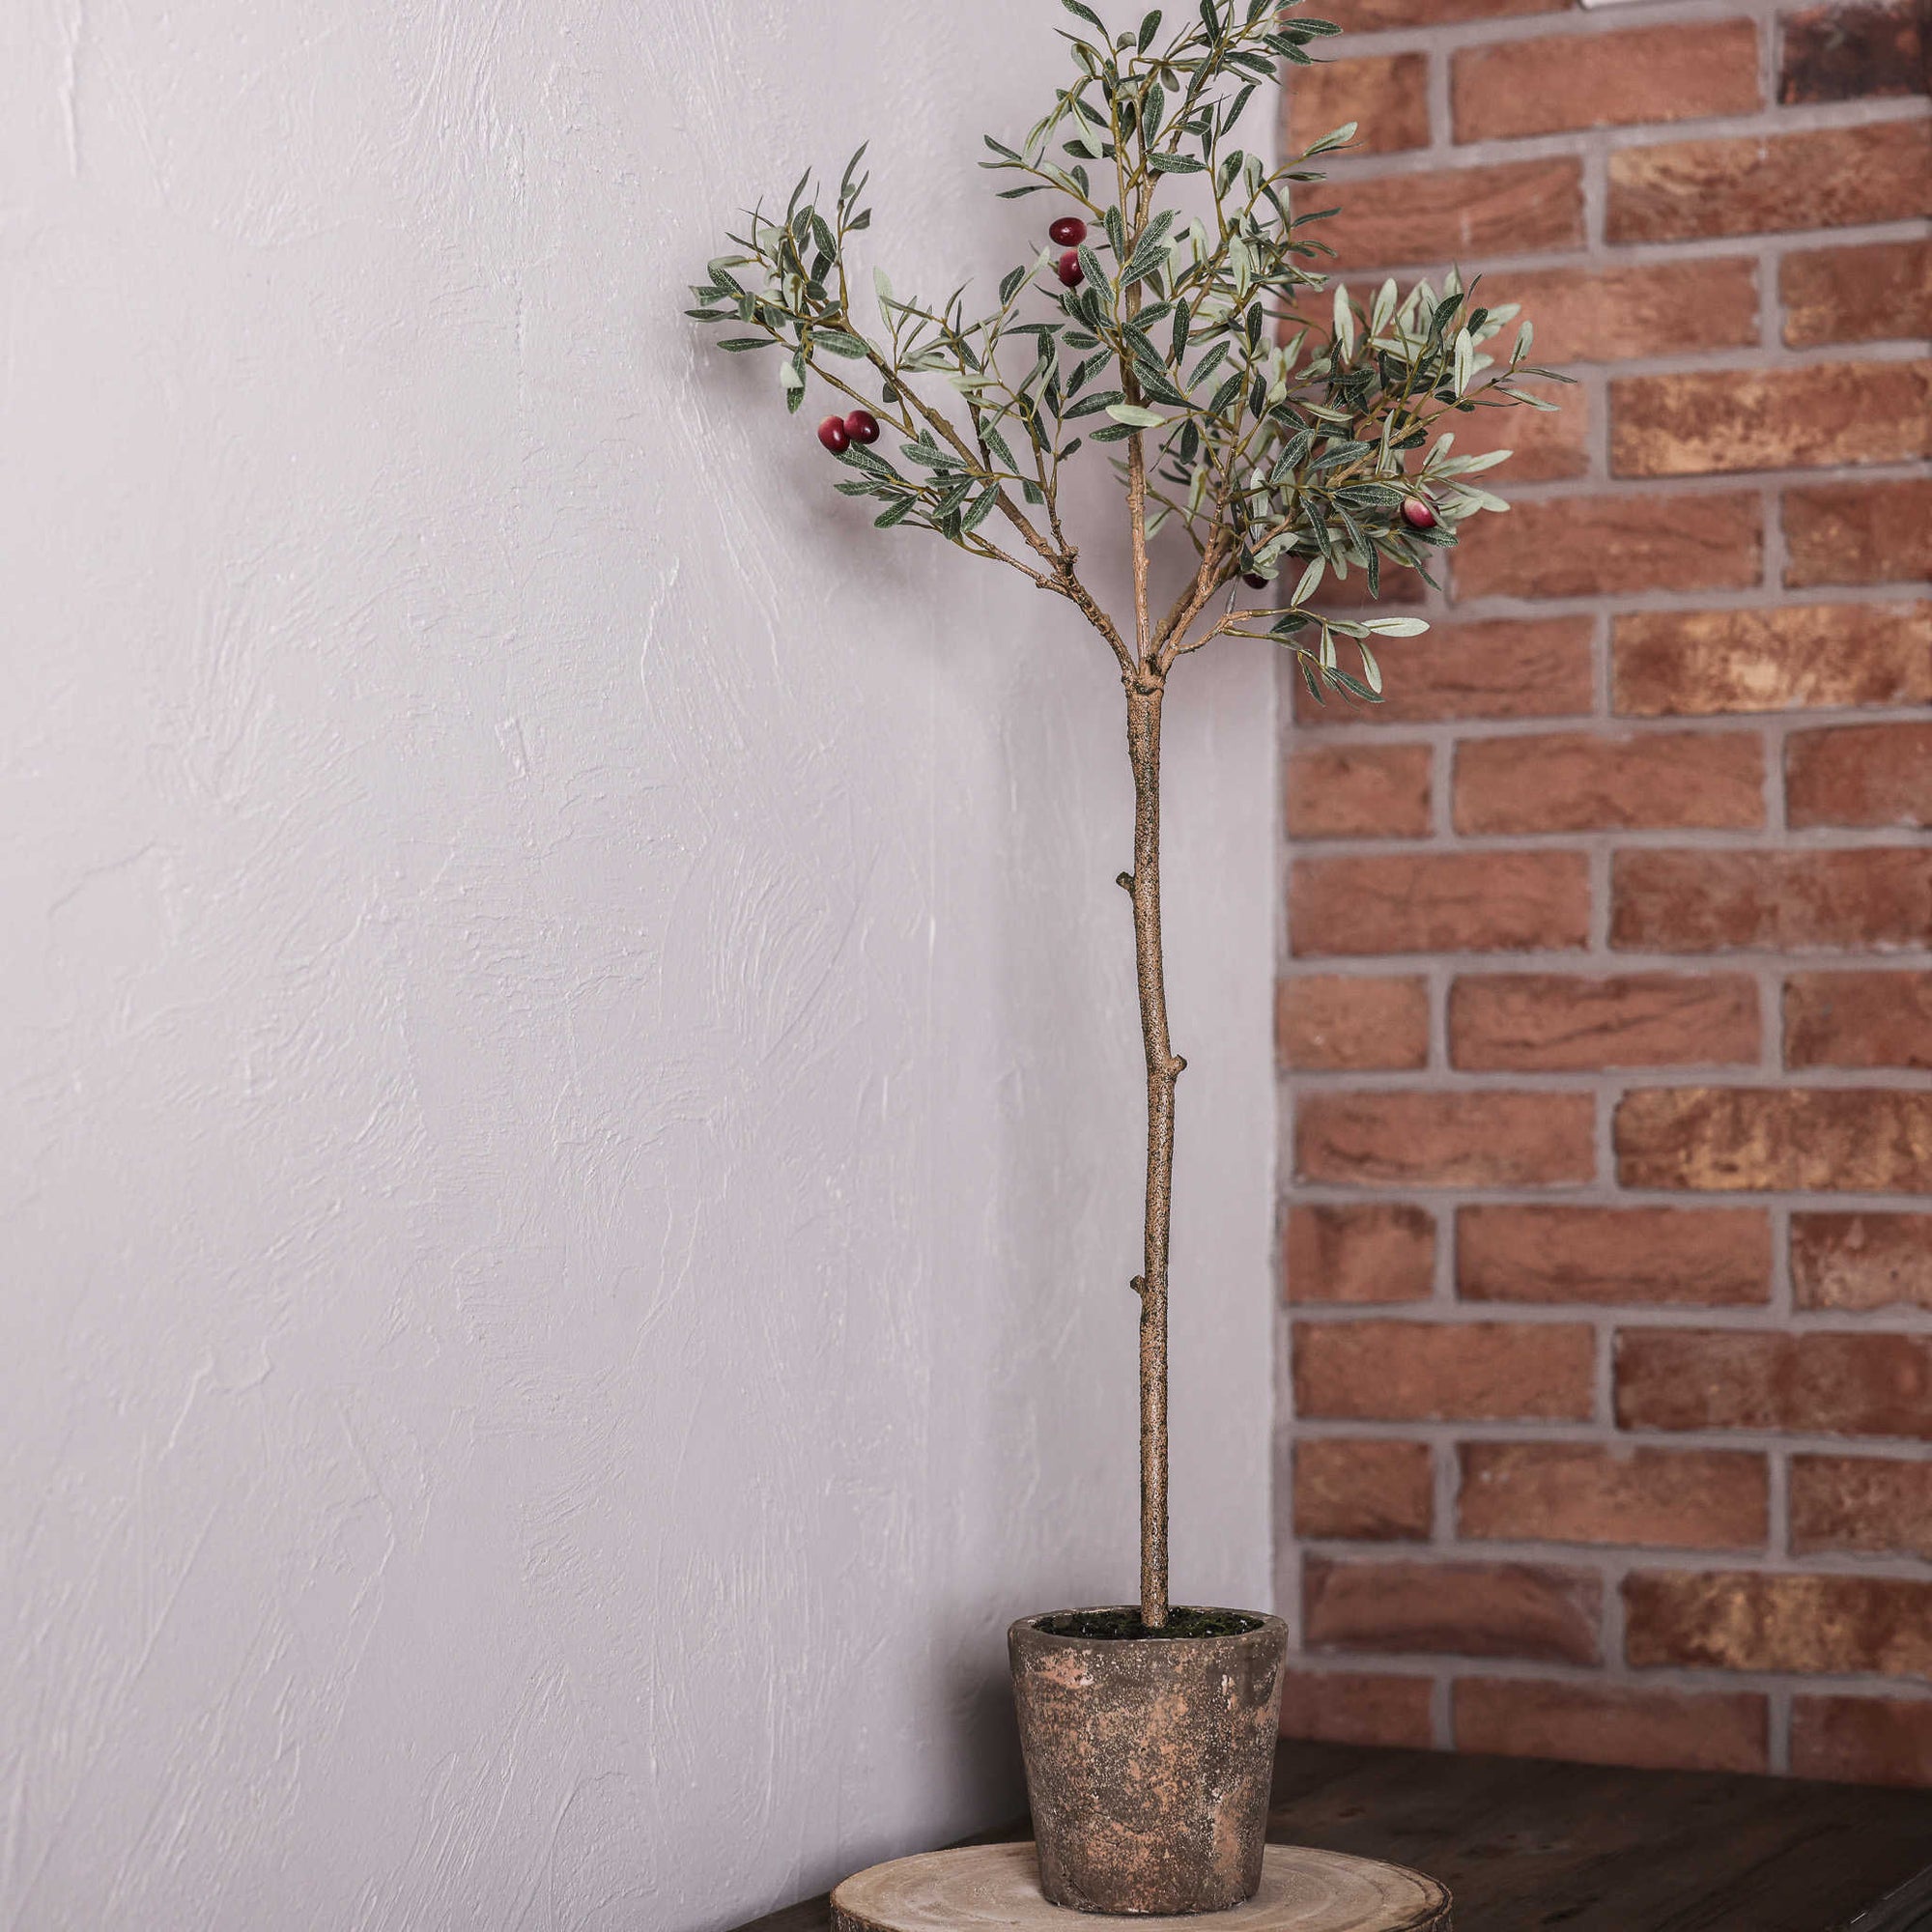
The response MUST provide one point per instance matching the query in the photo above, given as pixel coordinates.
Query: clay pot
(1148, 1762)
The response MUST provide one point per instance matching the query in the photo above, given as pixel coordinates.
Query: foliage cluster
(1281, 433)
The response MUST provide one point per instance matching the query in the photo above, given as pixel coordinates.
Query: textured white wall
(568, 1087)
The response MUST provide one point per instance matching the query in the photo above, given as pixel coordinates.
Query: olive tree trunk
(1163, 1069)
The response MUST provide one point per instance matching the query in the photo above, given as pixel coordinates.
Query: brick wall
(1605, 1011)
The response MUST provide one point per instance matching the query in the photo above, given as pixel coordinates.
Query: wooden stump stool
(996, 1888)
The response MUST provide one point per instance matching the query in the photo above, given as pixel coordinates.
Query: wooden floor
(1523, 1845)
(1526, 1845)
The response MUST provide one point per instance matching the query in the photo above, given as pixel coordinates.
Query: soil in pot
(1119, 1624)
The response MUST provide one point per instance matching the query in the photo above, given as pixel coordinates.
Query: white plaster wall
(568, 1086)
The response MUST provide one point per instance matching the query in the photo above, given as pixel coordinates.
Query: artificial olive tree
(1281, 437)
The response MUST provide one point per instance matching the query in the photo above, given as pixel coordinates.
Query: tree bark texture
(1163, 1069)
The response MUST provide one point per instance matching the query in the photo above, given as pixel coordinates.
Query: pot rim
(1265, 1625)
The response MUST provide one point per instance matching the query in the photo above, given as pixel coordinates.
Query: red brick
(1877, 292)
(1512, 667)
(1707, 1257)
(1694, 663)
(1862, 1505)
(1709, 421)
(1454, 214)
(1445, 1140)
(1555, 1022)
(1605, 80)
(1752, 1620)
(1861, 1140)
(1669, 901)
(1381, 1492)
(1385, 94)
(1582, 1493)
(1859, 533)
(1771, 183)
(1862, 1740)
(1819, 1383)
(1356, 1707)
(1359, 792)
(1860, 775)
(1439, 903)
(1861, 1260)
(1592, 1723)
(1375, 16)
(1328, 1023)
(1613, 314)
(1858, 1019)
(1375, 1252)
(1373, 1371)
(1612, 546)
(1851, 52)
(1583, 782)
(1462, 1610)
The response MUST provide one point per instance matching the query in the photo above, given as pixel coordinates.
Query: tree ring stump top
(996, 1888)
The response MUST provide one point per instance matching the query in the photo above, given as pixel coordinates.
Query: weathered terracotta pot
(1148, 1763)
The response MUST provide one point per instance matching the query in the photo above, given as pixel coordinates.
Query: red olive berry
(834, 434)
(1417, 515)
(1253, 581)
(1068, 232)
(1068, 268)
(862, 426)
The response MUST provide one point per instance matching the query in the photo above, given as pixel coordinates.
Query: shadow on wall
(980, 1700)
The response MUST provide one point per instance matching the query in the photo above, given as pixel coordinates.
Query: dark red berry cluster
(836, 432)
(1067, 233)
